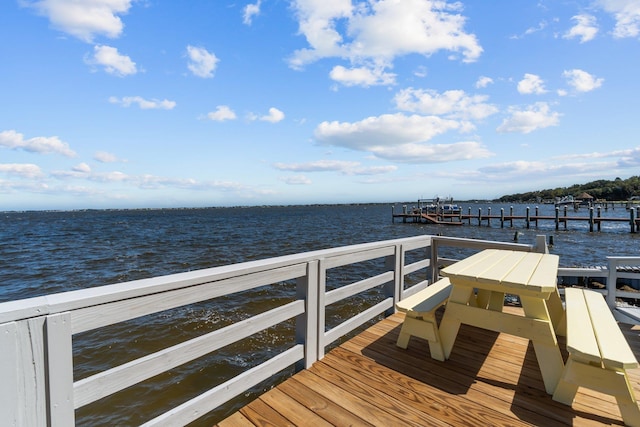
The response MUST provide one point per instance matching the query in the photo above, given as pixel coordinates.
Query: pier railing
(617, 270)
(37, 384)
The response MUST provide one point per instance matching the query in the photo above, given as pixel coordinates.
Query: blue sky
(159, 103)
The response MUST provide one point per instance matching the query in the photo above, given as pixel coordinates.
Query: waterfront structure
(37, 384)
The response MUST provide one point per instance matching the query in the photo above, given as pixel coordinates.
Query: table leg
(497, 301)
(449, 326)
(483, 297)
(556, 311)
(545, 344)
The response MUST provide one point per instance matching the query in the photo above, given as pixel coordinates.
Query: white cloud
(317, 22)
(627, 15)
(82, 167)
(532, 30)
(81, 170)
(585, 28)
(533, 170)
(451, 103)
(297, 180)
(582, 81)
(534, 117)
(625, 154)
(112, 61)
(144, 104)
(83, 19)
(375, 170)
(105, 157)
(336, 28)
(39, 144)
(22, 170)
(384, 130)
(483, 82)
(341, 166)
(201, 63)
(401, 138)
(531, 84)
(113, 176)
(361, 76)
(432, 153)
(221, 114)
(250, 11)
(318, 166)
(274, 116)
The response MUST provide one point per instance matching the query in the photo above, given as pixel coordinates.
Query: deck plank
(490, 379)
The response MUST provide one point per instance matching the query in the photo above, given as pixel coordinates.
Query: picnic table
(479, 284)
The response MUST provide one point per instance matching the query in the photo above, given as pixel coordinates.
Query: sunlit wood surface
(490, 379)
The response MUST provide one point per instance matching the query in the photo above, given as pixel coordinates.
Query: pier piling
(595, 217)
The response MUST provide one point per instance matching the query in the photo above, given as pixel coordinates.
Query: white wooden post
(60, 370)
(612, 279)
(322, 309)
(394, 288)
(433, 262)
(541, 244)
(307, 325)
(22, 374)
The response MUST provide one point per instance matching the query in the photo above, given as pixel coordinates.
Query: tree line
(618, 189)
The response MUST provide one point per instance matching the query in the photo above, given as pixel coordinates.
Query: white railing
(37, 386)
(618, 267)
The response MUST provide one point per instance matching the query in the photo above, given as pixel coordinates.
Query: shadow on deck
(490, 379)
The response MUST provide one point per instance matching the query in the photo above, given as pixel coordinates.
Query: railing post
(612, 278)
(23, 397)
(307, 324)
(59, 350)
(541, 244)
(433, 262)
(322, 309)
(395, 288)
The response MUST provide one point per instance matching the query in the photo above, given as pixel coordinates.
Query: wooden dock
(561, 217)
(440, 219)
(490, 379)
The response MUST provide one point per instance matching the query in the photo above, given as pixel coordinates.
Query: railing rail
(37, 384)
(617, 268)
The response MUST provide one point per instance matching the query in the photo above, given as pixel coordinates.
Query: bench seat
(420, 318)
(599, 354)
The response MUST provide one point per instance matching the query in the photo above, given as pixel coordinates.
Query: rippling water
(48, 252)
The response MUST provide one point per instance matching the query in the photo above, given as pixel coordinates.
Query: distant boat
(566, 200)
(439, 206)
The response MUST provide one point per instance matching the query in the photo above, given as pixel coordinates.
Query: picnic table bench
(420, 317)
(599, 354)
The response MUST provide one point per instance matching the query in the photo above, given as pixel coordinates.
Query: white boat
(566, 200)
(439, 206)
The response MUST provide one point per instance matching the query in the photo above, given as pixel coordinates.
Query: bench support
(614, 383)
(599, 355)
(420, 317)
(425, 328)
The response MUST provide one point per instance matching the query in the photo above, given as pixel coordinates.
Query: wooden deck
(490, 379)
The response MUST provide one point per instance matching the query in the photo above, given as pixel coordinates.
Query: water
(48, 252)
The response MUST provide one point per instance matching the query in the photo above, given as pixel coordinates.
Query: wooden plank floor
(490, 379)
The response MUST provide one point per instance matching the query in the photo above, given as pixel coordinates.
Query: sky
(162, 103)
